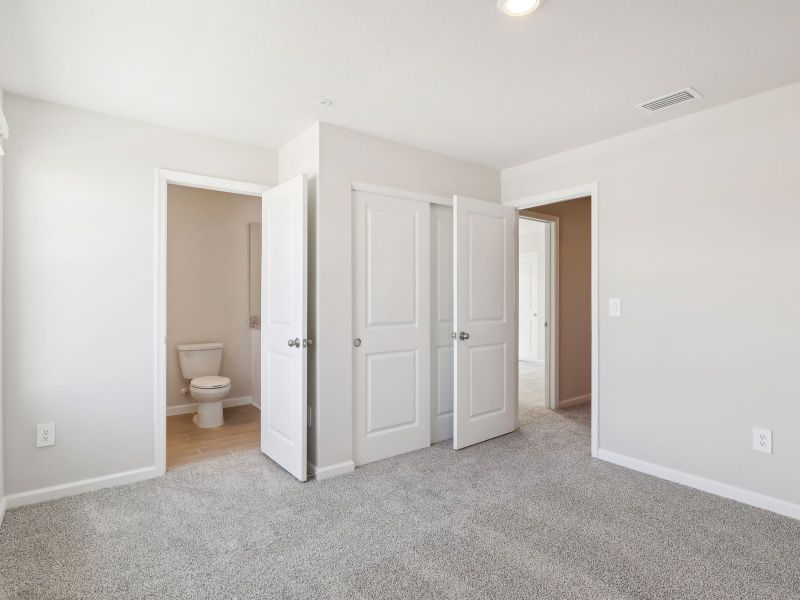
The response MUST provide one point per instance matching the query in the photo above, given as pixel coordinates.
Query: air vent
(681, 97)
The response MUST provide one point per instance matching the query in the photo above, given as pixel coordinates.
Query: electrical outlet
(762, 440)
(45, 434)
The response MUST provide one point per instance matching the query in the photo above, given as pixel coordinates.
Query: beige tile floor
(187, 443)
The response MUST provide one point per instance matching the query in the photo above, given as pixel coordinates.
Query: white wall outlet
(762, 440)
(45, 434)
(615, 307)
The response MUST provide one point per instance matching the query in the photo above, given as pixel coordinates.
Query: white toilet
(200, 364)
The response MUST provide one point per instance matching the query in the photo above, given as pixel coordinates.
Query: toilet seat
(210, 382)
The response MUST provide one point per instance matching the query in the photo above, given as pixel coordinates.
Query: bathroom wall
(208, 282)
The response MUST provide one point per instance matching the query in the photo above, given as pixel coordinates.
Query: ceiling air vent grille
(681, 97)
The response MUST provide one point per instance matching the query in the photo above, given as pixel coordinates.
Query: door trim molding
(581, 191)
(380, 190)
(163, 178)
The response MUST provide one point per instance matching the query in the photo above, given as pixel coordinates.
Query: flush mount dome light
(517, 8)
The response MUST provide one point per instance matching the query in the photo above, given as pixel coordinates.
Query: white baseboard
(79, 487)
(182, 409)
(321, 473)
(567, 402)
(732, 492)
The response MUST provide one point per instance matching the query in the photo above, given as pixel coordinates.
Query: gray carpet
(528, 515)
(531, 390)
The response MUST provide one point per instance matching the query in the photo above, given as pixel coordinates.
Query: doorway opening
(537, 314)
(208, 394)
(213, 323)
(558, 324)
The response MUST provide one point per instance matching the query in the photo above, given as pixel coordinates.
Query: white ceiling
(452, 76)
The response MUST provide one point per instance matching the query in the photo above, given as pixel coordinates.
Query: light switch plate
(762, 440)
(615, 307)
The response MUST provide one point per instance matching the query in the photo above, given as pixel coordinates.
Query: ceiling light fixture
(517, 8)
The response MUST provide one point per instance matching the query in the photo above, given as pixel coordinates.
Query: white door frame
(551, 310)
(165, 177)
(581, 191)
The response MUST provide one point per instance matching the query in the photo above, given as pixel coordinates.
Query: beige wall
(208, 272)
(574, 296)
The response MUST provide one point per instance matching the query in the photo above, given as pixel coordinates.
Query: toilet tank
(198, 360)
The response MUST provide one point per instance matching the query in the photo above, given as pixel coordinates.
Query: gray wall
(347, 156)
(80, 297)
(699, 223)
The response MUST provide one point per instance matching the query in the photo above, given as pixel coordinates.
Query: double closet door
(434, 323)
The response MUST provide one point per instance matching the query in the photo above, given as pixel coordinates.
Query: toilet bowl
(200, 364)
(209, 391)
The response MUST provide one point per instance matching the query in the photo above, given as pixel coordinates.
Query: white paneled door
(485, 247)
(441, 323)
(529, 306)
(284, 344)
(391, 345)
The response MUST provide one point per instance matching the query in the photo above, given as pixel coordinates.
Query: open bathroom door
(485, 345)
(284, 343)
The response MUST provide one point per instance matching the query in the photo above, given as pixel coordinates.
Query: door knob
(307, 342)
(291, 343)
(357, 342)
(463, 335)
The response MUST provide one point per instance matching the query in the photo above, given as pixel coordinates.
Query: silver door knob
(307, 342)
(357, 342)
(463, 335)
(291, 343)
(296, 342)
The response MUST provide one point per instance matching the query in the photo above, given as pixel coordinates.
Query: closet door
(284, 289)
(441, 323)
(391, 363)
(485, 250)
